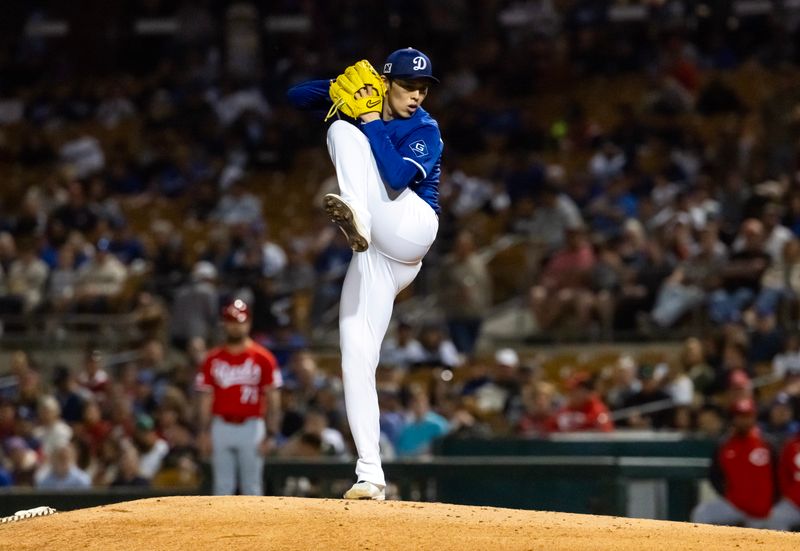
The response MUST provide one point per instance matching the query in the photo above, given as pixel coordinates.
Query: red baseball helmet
(236, 311)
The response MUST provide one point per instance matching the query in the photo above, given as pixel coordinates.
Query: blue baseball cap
(408, 63)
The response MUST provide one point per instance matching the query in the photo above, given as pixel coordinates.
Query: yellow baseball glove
(355, 77)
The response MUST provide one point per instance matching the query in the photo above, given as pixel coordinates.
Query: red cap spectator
(237, 311)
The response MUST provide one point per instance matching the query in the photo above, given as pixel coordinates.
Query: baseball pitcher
(387, 156)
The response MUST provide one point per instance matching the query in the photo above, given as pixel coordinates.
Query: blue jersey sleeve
(411, 160)
(310, 96)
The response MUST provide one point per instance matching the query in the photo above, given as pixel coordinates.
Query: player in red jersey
(786, 514)
(743, 474)
(237, 385)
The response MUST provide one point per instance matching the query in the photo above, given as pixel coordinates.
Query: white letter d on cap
(419, 63)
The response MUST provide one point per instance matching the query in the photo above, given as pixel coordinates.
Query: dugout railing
(647, 487)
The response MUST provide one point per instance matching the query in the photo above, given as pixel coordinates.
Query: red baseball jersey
(238, 380)
(747, 468)
(593, 416)
(789, 470)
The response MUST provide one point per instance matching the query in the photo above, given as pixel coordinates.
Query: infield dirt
(283, 523)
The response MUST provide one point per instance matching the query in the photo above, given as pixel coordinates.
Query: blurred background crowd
(613, 172)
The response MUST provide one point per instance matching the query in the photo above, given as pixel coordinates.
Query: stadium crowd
(679, 211)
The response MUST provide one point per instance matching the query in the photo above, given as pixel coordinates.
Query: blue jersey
(408, 152)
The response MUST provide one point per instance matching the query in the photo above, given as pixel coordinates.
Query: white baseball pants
(402, 228)
(785, 516)
(237, 445)
(721, 512)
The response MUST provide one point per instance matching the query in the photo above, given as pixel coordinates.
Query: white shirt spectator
(27, 278)
(786, 363)
(548, 224)
(84, 155)
(104, 276)
(238, 207)
(681, 390)
(52, 437)
(607, 163)
(273, 259)
(773, 244)
(150, 461)
(231, 106)
(403, 355)
(114, 110)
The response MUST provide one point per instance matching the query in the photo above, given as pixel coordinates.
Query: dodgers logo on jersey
(419, 148)
(419, 63)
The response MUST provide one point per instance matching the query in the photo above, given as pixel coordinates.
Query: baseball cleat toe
(340, 212)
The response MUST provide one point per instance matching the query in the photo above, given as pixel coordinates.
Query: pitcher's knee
(343, 130)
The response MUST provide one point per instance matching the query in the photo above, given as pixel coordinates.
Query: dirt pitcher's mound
(276, 523)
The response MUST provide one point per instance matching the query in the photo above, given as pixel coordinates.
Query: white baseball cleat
(340, 212)
(366, 490)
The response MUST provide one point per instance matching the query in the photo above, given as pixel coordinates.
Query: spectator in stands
(60, 290)
(330, 265)
(424, 426)
(93, 376)
(238, 206)
(780, 282)
(710, 422)
(650, 393)
(195, 307)
(780, 424)
(5, 475)
(787, 363)
(62, 473)
(51, 432)
(465, 292)
(401, 349)
(583, 409)
(152, 448)
(76, 213)
(776, 234)
(100, 281)
(22, 373)
(609, 210)
(695, 365)
(68, 393)
(624, 382)
(743, 474)
(539, 402)
(687, 286)
(23, 461)
(680, 388)
(766, 339)
(167, 256)
(93, 430)
(124, 243)
(554, 213)
(639, 291)
(128, 470)
(607, 163)
(741, 276)
(437, 348)
(562, 288)
(317, 425)
(392, 419)
(26, 279)
(605, 281)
